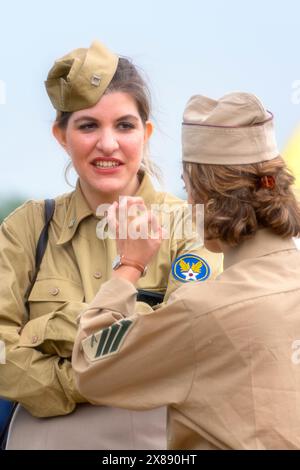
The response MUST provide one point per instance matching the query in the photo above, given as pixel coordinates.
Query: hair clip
(267, 182)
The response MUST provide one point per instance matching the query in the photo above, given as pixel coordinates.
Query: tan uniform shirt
(222, 354)
(38, 372)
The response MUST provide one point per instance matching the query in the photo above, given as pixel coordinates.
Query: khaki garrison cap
(79, 79)
(234, 130)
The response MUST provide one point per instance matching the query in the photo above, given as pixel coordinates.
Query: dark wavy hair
(236, 204)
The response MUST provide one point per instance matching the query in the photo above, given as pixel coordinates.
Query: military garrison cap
(234, 130)
(79, 79)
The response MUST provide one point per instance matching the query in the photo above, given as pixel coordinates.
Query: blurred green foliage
(8, 205)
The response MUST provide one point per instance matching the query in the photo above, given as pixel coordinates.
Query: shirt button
(72, 223)
(54, 291)
(97, 275)
(34, 339)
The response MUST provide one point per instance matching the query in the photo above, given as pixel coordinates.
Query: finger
(155, 226)
(139, 227)
(135, 200)
(164, 234)
(136, 207)
(127, 201)
(112, 217)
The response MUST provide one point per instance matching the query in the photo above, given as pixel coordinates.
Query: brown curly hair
(236, 204)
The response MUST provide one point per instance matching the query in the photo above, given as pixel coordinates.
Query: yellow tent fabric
(291, 154)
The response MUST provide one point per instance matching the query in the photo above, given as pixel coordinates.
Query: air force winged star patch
(107, 341)
(190, 267)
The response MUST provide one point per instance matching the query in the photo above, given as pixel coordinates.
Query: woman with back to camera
(223, 353)
(103, 124)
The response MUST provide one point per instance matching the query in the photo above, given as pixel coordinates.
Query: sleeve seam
(12, 230)
(195, 361)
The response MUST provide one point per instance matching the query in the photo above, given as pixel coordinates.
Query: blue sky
(184, 47)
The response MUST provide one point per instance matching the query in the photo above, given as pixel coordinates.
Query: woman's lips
(105, 171)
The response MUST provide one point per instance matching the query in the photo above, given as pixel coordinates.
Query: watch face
(116, 262)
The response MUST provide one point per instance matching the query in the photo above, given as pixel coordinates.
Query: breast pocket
(49, 294)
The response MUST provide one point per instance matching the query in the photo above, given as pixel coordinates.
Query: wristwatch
(120, 260)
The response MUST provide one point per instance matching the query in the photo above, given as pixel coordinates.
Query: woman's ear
(148, 130)
(60, 135)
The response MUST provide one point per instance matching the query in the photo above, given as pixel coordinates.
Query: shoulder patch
(189, 267)
(106, 342)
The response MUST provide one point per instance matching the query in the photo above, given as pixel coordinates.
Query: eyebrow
(127, 116)
(91, 118)
(85, 118)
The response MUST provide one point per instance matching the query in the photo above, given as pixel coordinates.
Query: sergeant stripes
(110, 338)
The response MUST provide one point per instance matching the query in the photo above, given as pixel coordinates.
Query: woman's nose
(107, 142)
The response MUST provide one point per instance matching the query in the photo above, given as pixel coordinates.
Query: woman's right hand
(138, 232)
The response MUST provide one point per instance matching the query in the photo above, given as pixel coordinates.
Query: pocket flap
(56, 290)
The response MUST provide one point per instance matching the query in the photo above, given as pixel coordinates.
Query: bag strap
(43, 240)
(41, 246)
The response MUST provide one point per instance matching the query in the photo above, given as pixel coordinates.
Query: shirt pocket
(49, 294)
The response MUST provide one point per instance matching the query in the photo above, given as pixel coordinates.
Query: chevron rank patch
(107, 341)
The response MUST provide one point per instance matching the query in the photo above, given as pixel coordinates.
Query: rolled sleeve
(55, 332)
(116, 297)
(117, 294)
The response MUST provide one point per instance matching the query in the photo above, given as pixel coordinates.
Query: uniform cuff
(33, 333)
(116, 294)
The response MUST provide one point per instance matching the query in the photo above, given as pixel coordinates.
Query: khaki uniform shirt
(223, 354)
(38, 372)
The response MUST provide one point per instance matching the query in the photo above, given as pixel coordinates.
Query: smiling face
(106, 144)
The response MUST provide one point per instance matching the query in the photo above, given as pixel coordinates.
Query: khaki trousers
(90, 427)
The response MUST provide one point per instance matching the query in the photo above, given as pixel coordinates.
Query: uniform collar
(79, 209)
(263, 243)
(146, 190)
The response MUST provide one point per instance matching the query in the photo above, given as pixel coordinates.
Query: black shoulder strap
(43, 240)
(41, 245)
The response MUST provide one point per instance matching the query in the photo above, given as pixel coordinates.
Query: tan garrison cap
(79, 79)
(237, 129)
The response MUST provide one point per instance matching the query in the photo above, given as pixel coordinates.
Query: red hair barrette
(267, 182)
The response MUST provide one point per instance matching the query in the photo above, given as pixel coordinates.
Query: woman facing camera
(103, 123)
(221, 354)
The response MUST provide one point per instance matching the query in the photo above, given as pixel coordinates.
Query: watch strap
(128, 262)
